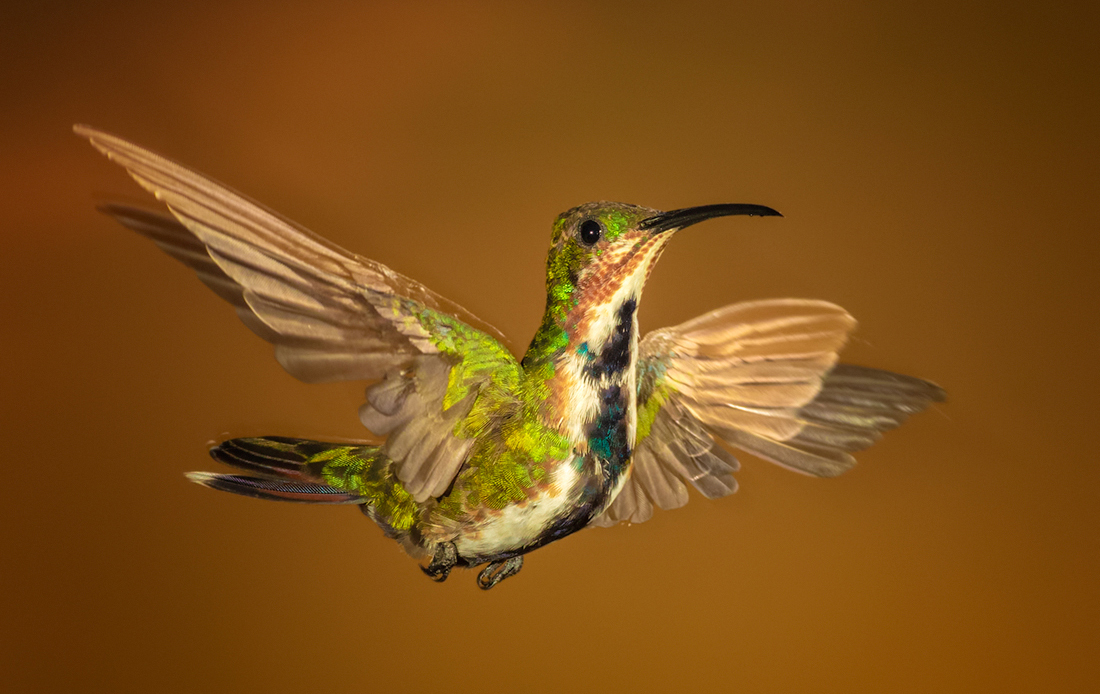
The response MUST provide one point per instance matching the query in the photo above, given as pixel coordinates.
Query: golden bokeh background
(937, 164)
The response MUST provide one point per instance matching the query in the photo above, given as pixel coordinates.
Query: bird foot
(445, 558)
(497, 571)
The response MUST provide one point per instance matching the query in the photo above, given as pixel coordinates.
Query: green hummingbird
(487, 457)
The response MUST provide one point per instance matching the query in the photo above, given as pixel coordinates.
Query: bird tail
(315, 472)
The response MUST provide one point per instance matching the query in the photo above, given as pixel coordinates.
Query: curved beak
(678, 219)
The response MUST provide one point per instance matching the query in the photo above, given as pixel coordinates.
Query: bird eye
(590, 231)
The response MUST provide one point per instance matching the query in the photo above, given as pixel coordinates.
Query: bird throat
(611, 380)
(591, 370)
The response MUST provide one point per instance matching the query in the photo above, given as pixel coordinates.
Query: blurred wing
(331, 315)
(174, 239)
(760, 376)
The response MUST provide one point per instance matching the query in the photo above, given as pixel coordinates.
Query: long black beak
(678, 219)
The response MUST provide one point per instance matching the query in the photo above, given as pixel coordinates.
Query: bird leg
(445, 558)
(497, 571)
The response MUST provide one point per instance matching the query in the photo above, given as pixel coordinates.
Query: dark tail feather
(290, 469)
(273, 455)
(275, 489)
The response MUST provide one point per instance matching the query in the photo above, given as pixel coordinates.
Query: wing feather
(763, 377)
(332, 315)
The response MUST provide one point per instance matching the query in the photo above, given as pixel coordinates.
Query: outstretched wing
(762, 377)
(332, 315)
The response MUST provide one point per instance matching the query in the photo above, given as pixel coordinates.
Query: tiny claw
(445, 558)
(497, 571)
(437, 575)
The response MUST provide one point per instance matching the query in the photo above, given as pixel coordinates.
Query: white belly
(518, 525)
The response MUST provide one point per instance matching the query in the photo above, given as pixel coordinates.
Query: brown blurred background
(938, 169)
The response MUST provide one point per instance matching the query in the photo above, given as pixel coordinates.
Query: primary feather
(331, 315)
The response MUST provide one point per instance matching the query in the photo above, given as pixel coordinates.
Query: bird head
(600, 257)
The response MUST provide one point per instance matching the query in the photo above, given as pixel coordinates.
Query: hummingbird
(487, 456)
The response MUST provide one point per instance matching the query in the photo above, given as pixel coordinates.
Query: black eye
(590, 231)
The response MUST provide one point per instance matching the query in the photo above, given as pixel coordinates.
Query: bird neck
(585, 354)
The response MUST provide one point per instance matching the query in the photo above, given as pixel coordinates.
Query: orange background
(938, 169)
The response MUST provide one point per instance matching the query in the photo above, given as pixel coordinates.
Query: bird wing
(331, 314)
(761, 376)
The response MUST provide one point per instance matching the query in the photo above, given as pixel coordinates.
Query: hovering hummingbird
(487, 457)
